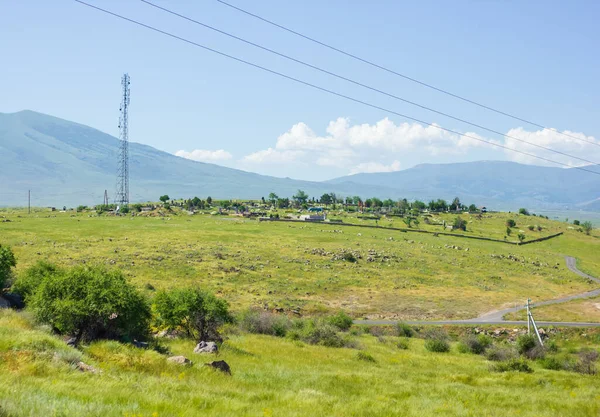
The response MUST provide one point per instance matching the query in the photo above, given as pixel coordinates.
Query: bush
(585, 364)
(511, 223)
(436, 340)
(29, 281)
(364, 356)
(525, 343)
(475, 344)
(7, 262)
(552, 363)
(317, 332)
(402, 343)
(264, 322)
(521, 237)
(198, 313)
(404, 330)
(460, 224)
(91, 303)
(524, 211)
(538, 352)
(499, 353)
(531, 227)
(576, 222)
(340, 320)
(518, 365)
(587, 227)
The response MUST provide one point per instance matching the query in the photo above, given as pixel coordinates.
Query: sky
(534, 59)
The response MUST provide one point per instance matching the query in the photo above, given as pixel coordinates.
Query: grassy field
(301, 266)
(276, 377)
(583, 310)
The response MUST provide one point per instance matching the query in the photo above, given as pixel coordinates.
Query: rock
(87, 368)
(14, 300)
(141, 345)
(71, 341)
(221, 366)
(4, 303)
(180, 360)
(206, 347)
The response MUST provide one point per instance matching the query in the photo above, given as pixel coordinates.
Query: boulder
(221, 366)
(71, 341)
(4, 303)
(180, 360)
(206, 347)
(14, 300)
(141, 345)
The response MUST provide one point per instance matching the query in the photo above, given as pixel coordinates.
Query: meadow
(311, 268)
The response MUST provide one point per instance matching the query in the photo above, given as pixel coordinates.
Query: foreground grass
(292, 266)
(273, 377)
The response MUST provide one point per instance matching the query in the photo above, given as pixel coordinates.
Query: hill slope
(503, 185)
(65, 163)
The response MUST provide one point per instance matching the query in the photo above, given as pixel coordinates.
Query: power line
(381, 67)
(364, 85)
(325, 89)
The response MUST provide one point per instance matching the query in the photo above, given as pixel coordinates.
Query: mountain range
(66, 163)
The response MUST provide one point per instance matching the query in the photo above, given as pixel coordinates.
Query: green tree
(7, 262)
(164, 198)
(209, 200)
(524, 211)
(576, 222)
(587, 227)
(325, 199)
(91, 303)
(199, 313)
(521, 237)
(460, 224)
(511, 223)
(29, 280)
(508, 231)
(300, 197)
(419, 205)
(455, 204)
(273, 198)
(472, 208)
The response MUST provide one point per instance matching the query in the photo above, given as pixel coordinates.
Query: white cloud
(272, 156)
(375, 167)
(573, 144)
(205, 156)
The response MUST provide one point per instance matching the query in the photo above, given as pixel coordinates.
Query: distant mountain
(498, 184)
(65, 163)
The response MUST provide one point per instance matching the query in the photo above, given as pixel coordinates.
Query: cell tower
(122, 194)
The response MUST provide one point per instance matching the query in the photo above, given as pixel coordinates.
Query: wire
(325, 89)
(364, 85)
(373, 64)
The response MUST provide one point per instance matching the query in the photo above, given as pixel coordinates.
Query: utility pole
(532, 321)
(105, 202)
(29, 202)
(122, 194)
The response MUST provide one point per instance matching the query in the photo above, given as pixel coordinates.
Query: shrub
(460, 224)
(538, 352)
(508, 231)
(585, 364)
(264, 322)
(349, 257)
(402, 343)
(318, 332)
(29, 281)
(364, 356)
(518, 365)
(7, 262)
(499, 353)
(531, 227)
(524, 211)
(576, 222)
(521, 237)
(475, 344)
(587, 227)
(340, 320)
(511, 223)
(525, 343)
(198, 313)
(552, 363)
(539, 228)
(404, 330)
(436, 340)
(91, 303)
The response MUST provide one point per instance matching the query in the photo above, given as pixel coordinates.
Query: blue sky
(535, 59)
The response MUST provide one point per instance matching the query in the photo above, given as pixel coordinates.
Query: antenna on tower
(122, 194)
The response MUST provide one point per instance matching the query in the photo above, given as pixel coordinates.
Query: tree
(91, 303)
(511, 223)
(587, 227)
(7, 262)
(300, 197)
(273, 198)
(508, 231)
(524, 211)
(472, 208)
(521, 237)
(198, 313)
(30, 280)
(455, 204)
(576, 222)
(325, 199)
(403, 205)
(409, 220)
(209, 200)
(418, 205)
(356, 200)
(164, 198)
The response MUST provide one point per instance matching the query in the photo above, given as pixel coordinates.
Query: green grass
(291, 266)
(275, 377)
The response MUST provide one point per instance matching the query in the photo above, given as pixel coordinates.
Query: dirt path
(496, 317)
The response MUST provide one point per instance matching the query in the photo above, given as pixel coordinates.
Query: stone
(87, 368)
(180, 360)
(71, 341)
(141, 345)
(221, 366)
(4, 303)
(206, 347)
